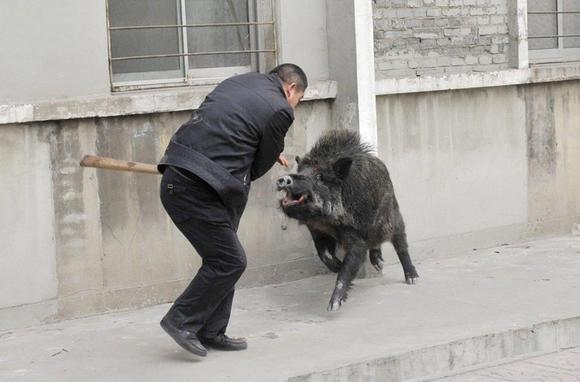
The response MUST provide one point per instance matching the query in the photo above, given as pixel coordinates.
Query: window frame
(560, 54)
(261, 13)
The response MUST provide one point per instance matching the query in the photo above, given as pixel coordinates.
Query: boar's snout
(284, 182)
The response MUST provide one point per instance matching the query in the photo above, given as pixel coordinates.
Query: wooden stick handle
(118, 165)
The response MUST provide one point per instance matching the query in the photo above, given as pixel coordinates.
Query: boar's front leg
(326, 249)
(356, 250)
(399, 241)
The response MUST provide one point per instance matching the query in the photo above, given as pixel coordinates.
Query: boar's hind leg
(356, 251)
(376, 258)
(400, 243)
(326, 248)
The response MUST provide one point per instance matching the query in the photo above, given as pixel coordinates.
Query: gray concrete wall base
(307, 265)
(92, 302)
(458, 356)
(453, 245)
(283, 272)
(135, 297)
(23, 316)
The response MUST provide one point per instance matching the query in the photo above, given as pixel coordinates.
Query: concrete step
(563, 366)
(484, 307)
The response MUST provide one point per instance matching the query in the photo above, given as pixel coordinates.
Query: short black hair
(291, 73)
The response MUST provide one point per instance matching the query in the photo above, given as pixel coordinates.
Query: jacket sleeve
(272, 143)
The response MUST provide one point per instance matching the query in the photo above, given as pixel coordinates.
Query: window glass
(543, 24)
(224, 38)
(140, 42)
(571, 23)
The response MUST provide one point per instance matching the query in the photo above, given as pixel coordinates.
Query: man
(235, 137)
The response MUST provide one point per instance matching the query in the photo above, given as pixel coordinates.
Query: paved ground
(558, 367)
(465, 311)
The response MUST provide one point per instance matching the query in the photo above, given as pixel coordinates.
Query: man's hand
(283, 161)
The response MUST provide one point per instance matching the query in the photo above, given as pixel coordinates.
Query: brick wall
(415, 38)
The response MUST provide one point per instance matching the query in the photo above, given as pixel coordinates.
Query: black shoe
(223, 342)
(184, 338)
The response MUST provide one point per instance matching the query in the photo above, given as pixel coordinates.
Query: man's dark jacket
(234, 137)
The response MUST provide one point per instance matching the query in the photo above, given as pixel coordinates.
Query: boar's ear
(342, 167)
(298, 159)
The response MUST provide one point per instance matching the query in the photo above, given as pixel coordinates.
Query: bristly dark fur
(336, 144)
(344, 195)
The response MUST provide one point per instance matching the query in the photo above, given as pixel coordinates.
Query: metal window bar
(182, 27)
(550, 12)
(176, 26)
(555, 36)
(559, 52)
(183, 46)
(192, 54)
(559, 22)
(237, 24)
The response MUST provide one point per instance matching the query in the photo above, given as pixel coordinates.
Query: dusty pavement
(558, 367)
(469, 311)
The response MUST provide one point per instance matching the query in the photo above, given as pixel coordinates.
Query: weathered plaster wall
(481, 167)
(28, 270)
(81, 241)
(553, 141)
(458, 164)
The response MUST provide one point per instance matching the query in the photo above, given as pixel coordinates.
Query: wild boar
(344, 195)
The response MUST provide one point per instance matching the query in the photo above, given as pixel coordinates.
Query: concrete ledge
(536, 74)
(128, 103)
(459, 356)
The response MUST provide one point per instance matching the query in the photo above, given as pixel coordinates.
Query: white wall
(52, 49)
(303, 39)
(27, 252)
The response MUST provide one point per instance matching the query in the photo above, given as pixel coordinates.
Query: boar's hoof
(333, 305)
(376, 259)
(338, 297)
(412, 278)
(378, 264)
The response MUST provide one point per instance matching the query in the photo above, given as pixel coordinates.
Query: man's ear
(298, 160)
(289, 88)
(342, 167)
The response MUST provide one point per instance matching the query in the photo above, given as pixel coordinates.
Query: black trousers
(198, 212)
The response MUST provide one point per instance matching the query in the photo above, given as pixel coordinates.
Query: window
(554, 30)
(155, 43)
